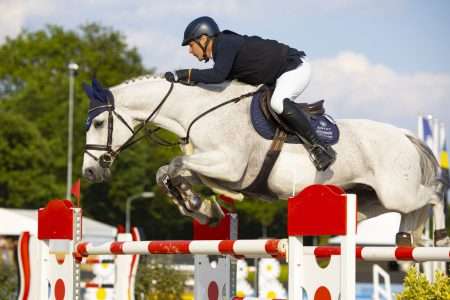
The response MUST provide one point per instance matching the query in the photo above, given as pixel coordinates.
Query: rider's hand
(171, 76)
(181, 76)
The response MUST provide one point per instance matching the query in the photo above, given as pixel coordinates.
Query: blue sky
(383, 60)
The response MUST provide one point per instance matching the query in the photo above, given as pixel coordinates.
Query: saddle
(269, 126)
(316, 109)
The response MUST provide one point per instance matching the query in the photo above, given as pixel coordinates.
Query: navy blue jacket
(250, 59)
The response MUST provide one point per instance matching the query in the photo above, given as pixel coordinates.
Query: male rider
(255, 61)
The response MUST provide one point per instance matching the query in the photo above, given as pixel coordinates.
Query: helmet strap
(205, 55)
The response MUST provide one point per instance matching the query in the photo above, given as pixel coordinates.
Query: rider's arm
(224, 52)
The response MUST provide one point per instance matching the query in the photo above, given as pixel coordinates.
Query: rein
(105, 160)
(185, 140)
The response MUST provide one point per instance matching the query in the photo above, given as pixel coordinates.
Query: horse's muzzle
(94, 174)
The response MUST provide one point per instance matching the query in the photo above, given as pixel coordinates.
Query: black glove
(181, 76)
(171, 76)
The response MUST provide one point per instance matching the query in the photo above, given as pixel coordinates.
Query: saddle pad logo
(325, 128)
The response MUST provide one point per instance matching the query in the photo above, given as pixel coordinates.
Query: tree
(24, 180)
(34, 80)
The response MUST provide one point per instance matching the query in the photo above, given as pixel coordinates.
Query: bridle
(105, 160)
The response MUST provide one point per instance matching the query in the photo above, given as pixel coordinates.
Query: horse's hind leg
(411, 227)
(413, 222)
(440, 232)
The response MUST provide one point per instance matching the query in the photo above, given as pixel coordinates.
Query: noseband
(105, 160)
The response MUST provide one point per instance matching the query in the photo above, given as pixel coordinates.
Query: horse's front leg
(210, 164)
(179, 190)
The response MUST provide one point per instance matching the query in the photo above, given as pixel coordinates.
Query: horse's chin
(102, 174)
(106, 175)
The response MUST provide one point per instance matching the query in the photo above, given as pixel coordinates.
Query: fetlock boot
(321, 155)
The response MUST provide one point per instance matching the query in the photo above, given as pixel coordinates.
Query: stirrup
(322, 164)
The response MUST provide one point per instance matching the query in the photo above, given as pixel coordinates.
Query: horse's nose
(89, 173)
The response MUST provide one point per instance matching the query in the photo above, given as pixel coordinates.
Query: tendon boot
(321, 155)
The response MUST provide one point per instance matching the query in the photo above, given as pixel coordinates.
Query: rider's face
(195, 49)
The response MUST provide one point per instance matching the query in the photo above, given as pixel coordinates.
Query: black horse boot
(321, 155)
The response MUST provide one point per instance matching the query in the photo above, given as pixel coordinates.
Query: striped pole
(417, 254)
(262, 248)
(237, 248)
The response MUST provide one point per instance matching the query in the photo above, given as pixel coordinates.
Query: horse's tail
(428, 162)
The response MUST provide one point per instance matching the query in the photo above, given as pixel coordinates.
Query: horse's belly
(366, 149)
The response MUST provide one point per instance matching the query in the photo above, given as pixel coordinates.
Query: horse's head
(107, 130)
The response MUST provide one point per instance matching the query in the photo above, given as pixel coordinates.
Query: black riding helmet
(200, 26)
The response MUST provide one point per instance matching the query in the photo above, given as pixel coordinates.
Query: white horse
(387, 167)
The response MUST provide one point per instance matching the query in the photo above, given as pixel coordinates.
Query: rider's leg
(288, 87)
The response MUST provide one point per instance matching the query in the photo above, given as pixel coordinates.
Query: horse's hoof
(403, 239)
(212, 210)
(441, 238)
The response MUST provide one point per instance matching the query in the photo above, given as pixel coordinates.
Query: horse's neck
(182, 105)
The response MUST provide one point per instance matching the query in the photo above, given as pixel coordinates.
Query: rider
(255, 61)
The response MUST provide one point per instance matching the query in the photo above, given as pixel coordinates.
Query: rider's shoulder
(229, 35)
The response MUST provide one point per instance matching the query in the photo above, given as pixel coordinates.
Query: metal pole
(128, 207)
(127, 212)
(73, 67)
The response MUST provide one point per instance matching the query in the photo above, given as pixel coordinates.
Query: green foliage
(157, 280)
(24, 179)
(416, 286)
(8, 281)
(34, 84)
(256, 214)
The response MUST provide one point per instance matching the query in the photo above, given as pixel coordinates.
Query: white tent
(14, 221)
(380, 230)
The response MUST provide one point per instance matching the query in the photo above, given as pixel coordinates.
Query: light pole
(73, 67)
(128, 206)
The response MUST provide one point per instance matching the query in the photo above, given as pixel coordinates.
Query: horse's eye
(98, 124)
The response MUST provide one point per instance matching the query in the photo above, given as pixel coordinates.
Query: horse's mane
(139, 78)
(216, 87)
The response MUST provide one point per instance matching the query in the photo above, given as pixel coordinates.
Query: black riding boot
(321, 155)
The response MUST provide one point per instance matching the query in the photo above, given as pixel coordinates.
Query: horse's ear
(96, 84)
(88, 90)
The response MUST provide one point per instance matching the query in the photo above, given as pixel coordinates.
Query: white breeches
(290, 85)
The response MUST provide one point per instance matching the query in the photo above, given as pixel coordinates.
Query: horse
(387, 167)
